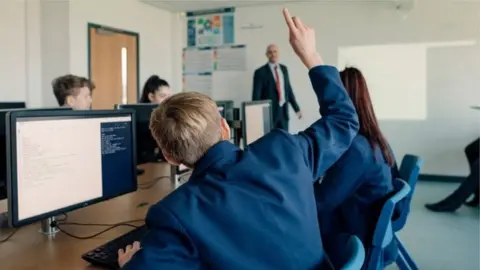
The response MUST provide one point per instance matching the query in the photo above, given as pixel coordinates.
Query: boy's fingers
(298, 23)
(288, 19)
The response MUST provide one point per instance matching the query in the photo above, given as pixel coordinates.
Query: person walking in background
(272, 82)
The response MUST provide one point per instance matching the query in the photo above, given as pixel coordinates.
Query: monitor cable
(150, 184)
(9, 236)
(59, 226)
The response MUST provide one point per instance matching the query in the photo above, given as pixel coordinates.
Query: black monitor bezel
(244, 122)
(12, 163)
(133, 106)
(23, 105)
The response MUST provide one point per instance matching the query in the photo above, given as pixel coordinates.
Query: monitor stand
(48, 226)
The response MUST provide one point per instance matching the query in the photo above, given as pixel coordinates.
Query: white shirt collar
(272, 65)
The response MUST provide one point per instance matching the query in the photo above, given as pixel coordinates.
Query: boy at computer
(73, 91)
(251, 209)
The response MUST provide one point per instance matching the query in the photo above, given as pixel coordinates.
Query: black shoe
(473, 202)
(440, 207)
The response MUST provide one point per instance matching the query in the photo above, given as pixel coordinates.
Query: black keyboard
(107, 255)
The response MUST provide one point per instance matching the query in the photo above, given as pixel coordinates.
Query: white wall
(12, 51)
(46, 39)
(153, 25)
(452, 72)
(55, 46)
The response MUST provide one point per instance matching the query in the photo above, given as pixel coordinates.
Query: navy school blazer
(253, 208)
(352, 192)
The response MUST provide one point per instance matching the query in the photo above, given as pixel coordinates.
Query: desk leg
(173, 176)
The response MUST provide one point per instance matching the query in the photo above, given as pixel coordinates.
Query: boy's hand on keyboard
(124, 256)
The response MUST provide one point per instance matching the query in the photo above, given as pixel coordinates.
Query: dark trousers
(472, 151)
(471, 184)
(281, 124)
(281, 121)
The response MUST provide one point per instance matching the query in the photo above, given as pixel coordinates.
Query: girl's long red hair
(357, 89)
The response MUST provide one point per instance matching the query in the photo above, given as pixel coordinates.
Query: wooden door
(113, 66)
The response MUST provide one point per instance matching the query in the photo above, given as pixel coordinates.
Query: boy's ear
(170, 160)
(225, 130)
(69, 101)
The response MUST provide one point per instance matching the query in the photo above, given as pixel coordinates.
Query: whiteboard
(396, 76)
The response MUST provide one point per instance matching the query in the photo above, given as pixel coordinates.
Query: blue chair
(383, 234)
(409, 170)
(348, 254)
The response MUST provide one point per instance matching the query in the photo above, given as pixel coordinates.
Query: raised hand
(302, 40)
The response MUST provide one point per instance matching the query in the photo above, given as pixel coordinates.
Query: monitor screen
(3, 149)
(75, 159)
(225, 108)
(147, 148)
(257, 120)
(221, 110)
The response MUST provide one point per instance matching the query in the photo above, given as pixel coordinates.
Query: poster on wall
(198, 82)
(230, 58)
(197, 60)
(210, 59)
(210, 27)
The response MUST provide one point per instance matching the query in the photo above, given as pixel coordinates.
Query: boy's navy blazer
(253, 208)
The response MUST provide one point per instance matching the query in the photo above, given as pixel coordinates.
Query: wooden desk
(28, 249)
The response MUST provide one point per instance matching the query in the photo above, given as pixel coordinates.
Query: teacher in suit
(271, 82)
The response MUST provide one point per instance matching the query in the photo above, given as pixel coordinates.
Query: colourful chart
(210, 29)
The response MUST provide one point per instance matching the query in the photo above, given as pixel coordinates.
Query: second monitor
(225, 108)
(256, 121)
(147, 148)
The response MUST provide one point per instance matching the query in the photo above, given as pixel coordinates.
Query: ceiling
(190, 5)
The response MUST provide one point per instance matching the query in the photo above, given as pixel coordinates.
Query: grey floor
(441, 241)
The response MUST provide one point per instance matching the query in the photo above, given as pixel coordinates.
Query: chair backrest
(356, 250)
(383, 233)
(409, 171)
(349, 253)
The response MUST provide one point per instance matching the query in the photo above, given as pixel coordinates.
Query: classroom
(113, 154)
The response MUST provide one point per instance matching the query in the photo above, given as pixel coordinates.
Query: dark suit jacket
(265, 88)
(253, 208)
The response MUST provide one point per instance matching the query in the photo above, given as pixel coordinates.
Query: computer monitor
(225, 107)
(3, 149)
(257, 120)
(12, 105)
(147, 148)
(58, 161)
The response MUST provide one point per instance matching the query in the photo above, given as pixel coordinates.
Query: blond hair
(185, 126)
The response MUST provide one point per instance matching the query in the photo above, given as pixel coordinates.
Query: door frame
(119, 31)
